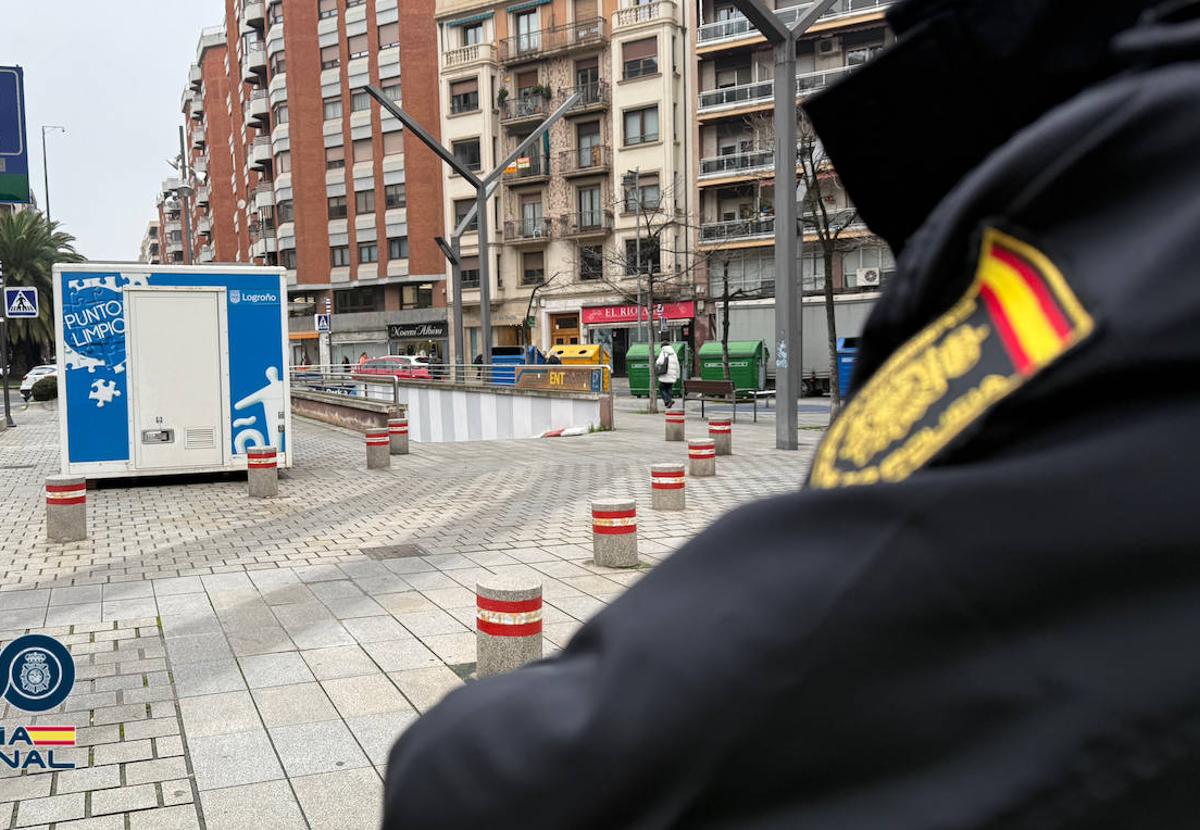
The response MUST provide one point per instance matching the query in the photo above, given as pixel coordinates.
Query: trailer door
(176, 377)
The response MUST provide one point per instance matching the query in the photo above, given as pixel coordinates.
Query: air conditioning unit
(829, 46)
(867, 276)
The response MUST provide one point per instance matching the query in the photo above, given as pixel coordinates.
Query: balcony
(528, 170)
(170, 186)
(199, 136)
(536, 45)
(175, 226)
(254, 64)
(593, 96)
(737, 27)
(260, 153)
(198, 106)
(204, 225)
(195, 77)
(760, 93)
(739, 230)
(738, 164)
(528, 231)
(586, 161)
(648, 13)
(258, 108)
(254, 14)
(202, 195)
(588, 223)
(264, 195)
(469, 55)
(524, 108)
(206, 254)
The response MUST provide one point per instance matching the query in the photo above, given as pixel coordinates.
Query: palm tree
(29, 247)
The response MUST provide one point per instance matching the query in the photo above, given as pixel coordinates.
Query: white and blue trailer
(170, 369)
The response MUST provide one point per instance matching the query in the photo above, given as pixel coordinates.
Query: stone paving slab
(250, 664)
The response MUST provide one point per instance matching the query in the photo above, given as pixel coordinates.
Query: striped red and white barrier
(614, 522)
(702, 449)
(719, 426)
(261, 459)
(398, 426)
(674, 416)
(61, 495)
(667, 479)
(377, 438)
(508, 618)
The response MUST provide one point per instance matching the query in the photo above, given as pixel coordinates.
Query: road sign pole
(8, 420)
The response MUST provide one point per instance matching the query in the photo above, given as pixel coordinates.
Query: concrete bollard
(720, 430)
(378, 453)
(508, 623)
(667, 487)
(702, 453)
(614, 533)
(398, 436)
(262, 472)
(675, 425)
(66, 508)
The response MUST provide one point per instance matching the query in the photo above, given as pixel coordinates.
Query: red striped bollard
(508, 623)
(262, 472)
(378, 449)
(675, 424)
(398, 436)
(702, 453)
(614, 533)
(720, 430)
(66, 508)
(667, 487)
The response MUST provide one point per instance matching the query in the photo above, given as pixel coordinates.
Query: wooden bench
(718, 391)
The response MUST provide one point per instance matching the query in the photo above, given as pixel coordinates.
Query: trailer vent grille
(201, 439)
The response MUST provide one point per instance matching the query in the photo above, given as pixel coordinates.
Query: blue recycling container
(847, 354)
(504, 357)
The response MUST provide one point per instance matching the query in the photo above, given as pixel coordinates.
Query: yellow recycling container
(585, 354)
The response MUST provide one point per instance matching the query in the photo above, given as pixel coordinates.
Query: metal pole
(485, 278)
(183, 200)
(45, 175)
(8, 420)
(788, 293)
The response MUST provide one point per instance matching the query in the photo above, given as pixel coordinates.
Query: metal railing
(532, 166)
(588, 223)
(524, 107)
(531, 45)
(738, 26)
(737, 229)
(590, 95)
(355, 382)
(591, 159)
(763, 92)
(733, 164)
(528, 230)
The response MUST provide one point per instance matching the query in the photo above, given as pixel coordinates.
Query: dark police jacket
(984, 610)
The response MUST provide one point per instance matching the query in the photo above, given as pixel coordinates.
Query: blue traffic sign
(321, 323)
(20, 302)
(14, 150)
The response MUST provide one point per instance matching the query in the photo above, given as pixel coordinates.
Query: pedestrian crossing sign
(20, 302)
(321, 323)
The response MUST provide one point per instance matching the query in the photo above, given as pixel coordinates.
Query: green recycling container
(747, 363)
(639, 372)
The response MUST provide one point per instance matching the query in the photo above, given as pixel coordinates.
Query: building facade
(291, 164)
(150, 251)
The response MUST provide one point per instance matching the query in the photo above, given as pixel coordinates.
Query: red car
(401, 366)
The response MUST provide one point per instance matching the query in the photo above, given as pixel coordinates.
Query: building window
(642, 194)
(467, 153)
(389, 35)
(279, 114)
(362, 150)
(335, 157)
(533, 268)
(339, 256)
(528, 34)
(352, 300)
(591, 262)
(278, 64)
(640, 57)
(275, 13)
(333, 107)
(364, 201)
(464, 96)
(641, 125)
(351, 3)
(461, 208)
(472, 34)
(283, 162)
(393, 143)
(368, 252)
(287, 259)
(286, 210)
(336, 207)
(394, 196)
(357, 46)
(865, 258)
(360, 101)
(327, 8)
(468, 272)
(330, 57)
(650, 258)
(416, 296)
(391, 91)
(398, 247)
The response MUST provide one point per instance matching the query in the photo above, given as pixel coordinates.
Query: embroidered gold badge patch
(1018, 316)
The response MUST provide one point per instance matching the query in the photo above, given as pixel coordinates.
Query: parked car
(401, 366)
(32, 377)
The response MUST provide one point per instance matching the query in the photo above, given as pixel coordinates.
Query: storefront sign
(561, 378)
(417, 331)
(609, 314)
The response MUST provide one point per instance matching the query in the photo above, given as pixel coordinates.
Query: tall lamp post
(46, 165)
(483, 189)
(789, 238)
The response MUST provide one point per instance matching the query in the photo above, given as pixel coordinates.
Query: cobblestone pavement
(249, 664)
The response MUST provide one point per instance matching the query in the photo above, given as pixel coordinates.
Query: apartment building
(150, 251)
(290, 163)
(609, 183)
(735, 137)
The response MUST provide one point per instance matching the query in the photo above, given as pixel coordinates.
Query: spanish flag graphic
(1034, 312)
(51, 735)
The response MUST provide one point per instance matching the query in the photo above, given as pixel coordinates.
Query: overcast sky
(112, 73)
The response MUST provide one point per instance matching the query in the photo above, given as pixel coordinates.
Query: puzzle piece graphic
(104, 391)
(136, 280)
(109, 283)
(75, 360)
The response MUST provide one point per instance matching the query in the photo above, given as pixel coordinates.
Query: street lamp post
(789, 238)
(483, 190)
(184, 208)
(46, 166)
(8, 420)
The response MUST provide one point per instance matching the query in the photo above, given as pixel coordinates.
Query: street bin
(584, 354)
(747, 364)
(639, 371)
(847, 353)
(505, 357)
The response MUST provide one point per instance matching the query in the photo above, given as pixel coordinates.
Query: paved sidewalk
(249, 664)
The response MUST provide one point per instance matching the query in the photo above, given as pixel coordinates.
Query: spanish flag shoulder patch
(1018, 316)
